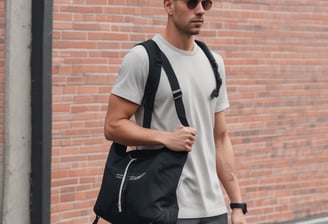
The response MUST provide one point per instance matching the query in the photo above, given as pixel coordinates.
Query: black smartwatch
(243, 206)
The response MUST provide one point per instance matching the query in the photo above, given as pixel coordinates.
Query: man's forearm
(129, 133)
(226, 168)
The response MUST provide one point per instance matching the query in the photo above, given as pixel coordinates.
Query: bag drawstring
(122, 184)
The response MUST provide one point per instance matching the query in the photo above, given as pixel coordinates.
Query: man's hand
(181, 139)
(238, 217)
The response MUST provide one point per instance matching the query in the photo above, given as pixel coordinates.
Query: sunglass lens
(206, 4)
(192, 4)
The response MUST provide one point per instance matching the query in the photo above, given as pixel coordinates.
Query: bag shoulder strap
(176, 90)
(157, 59)
(154, 74)
(214, 65)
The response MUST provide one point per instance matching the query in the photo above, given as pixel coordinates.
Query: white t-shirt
(199, 193)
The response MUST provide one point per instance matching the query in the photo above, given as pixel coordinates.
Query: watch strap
(242, 206)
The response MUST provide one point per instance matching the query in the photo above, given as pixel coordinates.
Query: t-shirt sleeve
(132, 75)
(222, 101)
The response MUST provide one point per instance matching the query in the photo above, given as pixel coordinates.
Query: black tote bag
(139, 187)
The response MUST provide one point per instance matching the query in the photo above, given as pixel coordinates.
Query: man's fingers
(193, 131)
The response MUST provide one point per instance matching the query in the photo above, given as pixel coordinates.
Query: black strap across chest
(157, 60)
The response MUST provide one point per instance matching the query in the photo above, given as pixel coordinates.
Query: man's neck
(183, 42)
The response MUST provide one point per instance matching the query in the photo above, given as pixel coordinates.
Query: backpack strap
(176, 91)
(156, 59)
(154, 74)
(214, 65)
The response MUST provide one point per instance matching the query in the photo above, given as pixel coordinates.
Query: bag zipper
(122, 183)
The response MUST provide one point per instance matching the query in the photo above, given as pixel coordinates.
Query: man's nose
(199, 8)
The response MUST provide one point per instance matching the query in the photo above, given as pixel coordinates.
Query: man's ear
(168, 5)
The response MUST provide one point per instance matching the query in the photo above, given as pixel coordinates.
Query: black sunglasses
(191, 4)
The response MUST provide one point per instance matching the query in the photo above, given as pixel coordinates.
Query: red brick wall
(276, 55)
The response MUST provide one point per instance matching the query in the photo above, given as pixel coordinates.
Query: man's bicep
(220, 127)
(120, 108)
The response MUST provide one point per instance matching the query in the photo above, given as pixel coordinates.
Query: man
(210, 156)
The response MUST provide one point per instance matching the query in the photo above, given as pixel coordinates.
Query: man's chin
(195, 31)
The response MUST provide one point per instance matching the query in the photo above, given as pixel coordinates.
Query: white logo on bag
(120, 176)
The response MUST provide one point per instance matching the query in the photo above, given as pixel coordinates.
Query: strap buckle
(177, 94)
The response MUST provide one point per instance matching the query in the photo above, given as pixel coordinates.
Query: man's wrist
(242, 206)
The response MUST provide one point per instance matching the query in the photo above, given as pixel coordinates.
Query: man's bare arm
(225, 166)
(119, 128)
